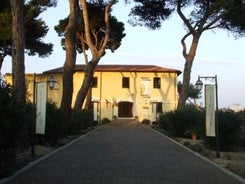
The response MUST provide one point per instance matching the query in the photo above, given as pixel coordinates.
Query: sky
(218, 53)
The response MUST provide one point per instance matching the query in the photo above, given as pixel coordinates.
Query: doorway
(125, 109)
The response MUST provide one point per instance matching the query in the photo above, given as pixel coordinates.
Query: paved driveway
(123, 154)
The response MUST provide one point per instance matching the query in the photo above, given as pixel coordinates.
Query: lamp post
(199, 85)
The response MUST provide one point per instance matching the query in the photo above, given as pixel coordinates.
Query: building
(118, 91)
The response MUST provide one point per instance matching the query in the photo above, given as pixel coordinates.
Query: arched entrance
(125, 109)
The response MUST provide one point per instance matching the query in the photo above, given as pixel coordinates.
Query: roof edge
(120, 68)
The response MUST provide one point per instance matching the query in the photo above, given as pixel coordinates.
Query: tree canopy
(35, 29)
(97, 27)
(207, 14)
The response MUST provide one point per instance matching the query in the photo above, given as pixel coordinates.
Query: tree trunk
(88, 98)
(82, 93)
(18, 48)
(1, 63)
(70, 61)
(189, 58)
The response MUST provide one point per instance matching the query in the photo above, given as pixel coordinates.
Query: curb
(224, 170)
(32, 164)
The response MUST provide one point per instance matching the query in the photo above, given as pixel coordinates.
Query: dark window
(159, 107)
(157, 82)
(95, 82)
(125, 82)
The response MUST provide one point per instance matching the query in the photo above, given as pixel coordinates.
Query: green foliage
(35, 28)
(88, 117)
(81, 119)
(97, 27)
(149, 13)
(192, 92)
(56, 128)
(146, 121)
(181, 121)
(105, 121)
(224, 14)
(229, 131)
(16, 119)
(234, 20)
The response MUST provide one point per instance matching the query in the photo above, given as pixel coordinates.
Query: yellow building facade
(118, 91)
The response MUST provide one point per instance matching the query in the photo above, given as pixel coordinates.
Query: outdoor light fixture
(51, 82)
(199, 85)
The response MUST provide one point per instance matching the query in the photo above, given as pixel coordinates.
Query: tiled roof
(121, 68)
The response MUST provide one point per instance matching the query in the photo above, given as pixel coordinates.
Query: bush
(16, 119)
(88, 117)
(146, 121)
(81, 119)
(56, 128)
(105, 121)
(179, 122)
(229, 131)
(165, 120)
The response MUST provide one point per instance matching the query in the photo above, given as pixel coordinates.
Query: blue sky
(219, 53)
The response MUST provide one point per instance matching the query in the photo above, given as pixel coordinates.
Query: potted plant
(192, 134)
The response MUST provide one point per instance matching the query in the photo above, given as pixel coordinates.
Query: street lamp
(199, 85)
(51, 82)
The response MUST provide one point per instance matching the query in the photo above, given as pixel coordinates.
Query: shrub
(76, 125)
(146, 121)
(80, 120)
(16, 119)
(88, 117)
(179, 122)
(56, 128)
(229, 131)
(105, 121)
(165, 120)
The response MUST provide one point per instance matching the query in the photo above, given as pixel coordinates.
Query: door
(125, 109)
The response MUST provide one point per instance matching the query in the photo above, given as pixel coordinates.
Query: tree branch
(94, 33)
(218, 17)
(204, 18)
(214, 21)
(108, 28)
(87, 27)
(184, 45)
(185, 20)
(97, 51)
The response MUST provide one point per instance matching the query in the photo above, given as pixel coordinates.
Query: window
(159, 107)
(145, 86)
(157, 82)
(95, 82)
(125, 82)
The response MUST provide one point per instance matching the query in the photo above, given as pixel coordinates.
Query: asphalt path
(123, 154)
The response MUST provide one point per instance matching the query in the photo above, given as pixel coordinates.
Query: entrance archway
(125, 109)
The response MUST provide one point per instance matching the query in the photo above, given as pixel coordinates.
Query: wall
(54, 94)
(110, 93)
